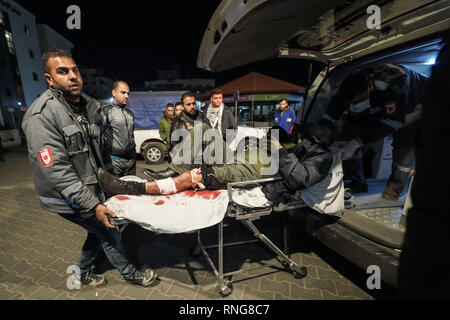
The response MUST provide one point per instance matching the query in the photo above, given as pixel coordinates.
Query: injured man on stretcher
(311, 167)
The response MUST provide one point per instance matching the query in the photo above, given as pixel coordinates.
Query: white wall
(22, 44)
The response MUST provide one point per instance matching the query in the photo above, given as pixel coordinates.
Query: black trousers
(123, 167)
(403, 150)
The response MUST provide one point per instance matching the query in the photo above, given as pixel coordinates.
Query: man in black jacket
(186, 120)
(119, 132)
(180, 128)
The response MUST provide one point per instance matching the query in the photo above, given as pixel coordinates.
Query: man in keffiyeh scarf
(219, 116)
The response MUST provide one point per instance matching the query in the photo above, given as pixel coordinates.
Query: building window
(31, 53)
(35, 76)
(20, 93)
(27, 29)
(8, 92)
(9, 41)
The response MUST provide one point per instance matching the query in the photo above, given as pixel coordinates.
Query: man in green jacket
(165, 124)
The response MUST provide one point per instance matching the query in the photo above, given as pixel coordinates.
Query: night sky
(131, 39)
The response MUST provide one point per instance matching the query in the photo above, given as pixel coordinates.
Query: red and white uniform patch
(391, 107)
(46, 157)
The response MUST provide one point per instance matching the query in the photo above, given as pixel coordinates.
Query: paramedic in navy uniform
(377, 102)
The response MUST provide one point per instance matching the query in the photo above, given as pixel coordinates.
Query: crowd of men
(71, 138)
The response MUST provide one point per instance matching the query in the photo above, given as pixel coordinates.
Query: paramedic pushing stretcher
(64, 130)
(300, 167)
(381, 100)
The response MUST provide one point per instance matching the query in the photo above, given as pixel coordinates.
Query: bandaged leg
(187, 180)
(166, 186)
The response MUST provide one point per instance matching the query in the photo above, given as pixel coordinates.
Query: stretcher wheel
(195, 252)
(299, 272)
(225, 290)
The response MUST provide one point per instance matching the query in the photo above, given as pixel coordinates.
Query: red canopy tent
(255, 82)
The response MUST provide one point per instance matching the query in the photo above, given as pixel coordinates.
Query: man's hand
(189, 127)
(102, 213)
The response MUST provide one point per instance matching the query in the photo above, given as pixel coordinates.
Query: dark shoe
(113, 186)
(93, 280)
(158, 175)
(143, 278)
(357, 187)
(390, 194)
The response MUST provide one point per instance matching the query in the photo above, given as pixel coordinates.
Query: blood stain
(159, 202)
(122, 198)
(189, 193)
(206, 194)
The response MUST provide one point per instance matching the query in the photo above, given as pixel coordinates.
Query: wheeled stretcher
(246, 215)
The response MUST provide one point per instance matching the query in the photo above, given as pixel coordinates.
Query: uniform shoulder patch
(46, 157)
(391, 107)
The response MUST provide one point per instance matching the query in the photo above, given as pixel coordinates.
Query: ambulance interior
(372, 229)
(335, 34)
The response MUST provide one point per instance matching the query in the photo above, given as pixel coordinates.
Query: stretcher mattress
(175, 213)
(181, 212)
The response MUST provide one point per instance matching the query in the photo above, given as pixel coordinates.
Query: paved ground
(37, 247)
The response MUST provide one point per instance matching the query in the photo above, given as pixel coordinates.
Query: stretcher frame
(246, 216)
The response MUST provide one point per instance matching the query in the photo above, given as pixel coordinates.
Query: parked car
(340, 35)
(148, 108)
(10, 138)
